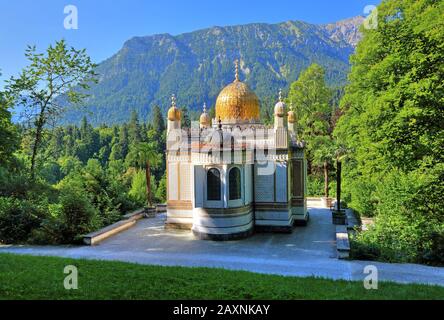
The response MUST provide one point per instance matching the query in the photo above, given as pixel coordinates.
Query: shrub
(13, 185)
(364, 251)
(161, 191)
(77, 216)
(409, 224)
(138, 188)
(435, 254)
(315, 186)
(19, 185)
(18, 218)
(362, 196)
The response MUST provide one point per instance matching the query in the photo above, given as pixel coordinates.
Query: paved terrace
(308, 251)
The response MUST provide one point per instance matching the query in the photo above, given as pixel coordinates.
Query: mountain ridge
(197, 65)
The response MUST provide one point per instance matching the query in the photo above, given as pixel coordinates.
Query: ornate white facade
(232, 176)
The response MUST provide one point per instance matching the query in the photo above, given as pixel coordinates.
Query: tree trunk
(338, 184)
(148, 184)
(35, 147)
(326, 179)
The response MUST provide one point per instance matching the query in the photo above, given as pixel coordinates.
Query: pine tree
(158, 121)
(134, 135)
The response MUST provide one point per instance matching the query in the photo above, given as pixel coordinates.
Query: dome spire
(236, 72)
(279, 108)
(205, 120)
(174, 112)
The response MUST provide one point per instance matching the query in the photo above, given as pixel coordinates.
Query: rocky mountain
(346, 30)
(197, 65)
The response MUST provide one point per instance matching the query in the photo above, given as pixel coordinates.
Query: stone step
(342, 242)
(135, 215)
(351, 219)
(94, 238)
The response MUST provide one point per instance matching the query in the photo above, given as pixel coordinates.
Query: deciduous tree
(50, 82)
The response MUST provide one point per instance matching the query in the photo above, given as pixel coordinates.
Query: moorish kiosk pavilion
(230, 176)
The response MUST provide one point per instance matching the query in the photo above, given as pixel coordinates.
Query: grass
(27, 277)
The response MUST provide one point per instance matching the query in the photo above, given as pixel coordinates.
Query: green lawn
(26, 277)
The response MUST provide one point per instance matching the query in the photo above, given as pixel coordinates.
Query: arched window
(234, 181)
(213, 185)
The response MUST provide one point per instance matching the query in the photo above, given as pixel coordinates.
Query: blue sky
(105, 25)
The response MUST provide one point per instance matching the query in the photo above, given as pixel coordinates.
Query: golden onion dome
(205, 119)
(291, 117)
(174, 113)
(237, 103)
(279, 108)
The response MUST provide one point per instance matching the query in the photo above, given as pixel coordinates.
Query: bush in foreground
(18, 218)
(409, 225)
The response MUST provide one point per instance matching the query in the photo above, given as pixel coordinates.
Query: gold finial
(236, 63)
(280, 95)
(173, 100)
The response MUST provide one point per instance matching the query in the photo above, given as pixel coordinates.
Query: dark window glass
(213, 185)
(235, 184)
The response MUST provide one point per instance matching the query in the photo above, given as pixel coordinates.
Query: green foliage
(141, 153)
(59, 72)
(18, 218)
(360, 195)
(134, 132)
(102, 193)
(158, 121)
(144, 155)
(85, 174)
(69, 164)
(161, 192)
(393, 105)
(77, 216)
(311, 100)
(8, 133)
(16, 185)
(393, 129)
(409, 227)
(51, 172)
(138, 188)
(315, 186)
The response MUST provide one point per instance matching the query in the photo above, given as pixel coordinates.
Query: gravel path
(308, 251)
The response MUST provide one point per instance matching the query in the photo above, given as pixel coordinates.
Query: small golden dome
(174, 113)
(291, 117)
(205, 120)
(279, 108)
(237, 103)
